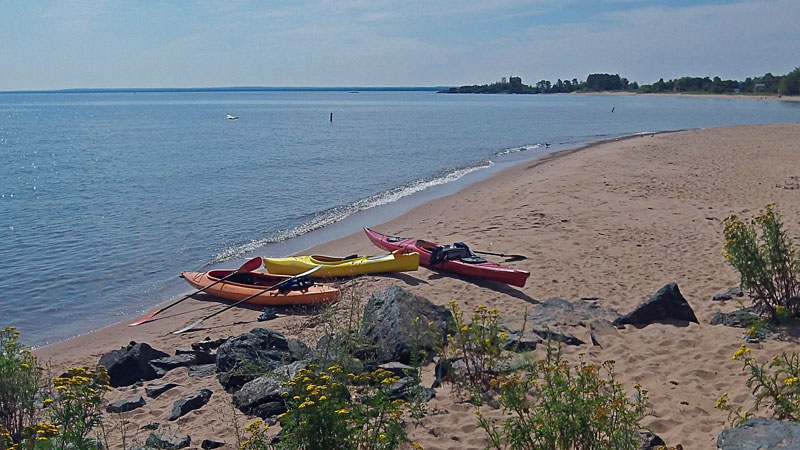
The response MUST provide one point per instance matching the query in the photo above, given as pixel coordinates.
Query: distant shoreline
(788, 98)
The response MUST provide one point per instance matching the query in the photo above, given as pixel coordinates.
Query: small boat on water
(231, 117)
(333, 267)
(457, 259)
(242, 285)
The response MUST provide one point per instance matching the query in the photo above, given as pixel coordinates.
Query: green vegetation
(767, 262)
(547, 403)
(553, 404)
(478, 345)
(73, 406)
(774, 385)
(767, 84)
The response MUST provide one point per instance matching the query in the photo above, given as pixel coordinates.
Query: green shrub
(775, 384)
(22, 382)
(77, 406)
(479, 345)
(330, 410)
(767, 261)
(552, 404)
(74, 406)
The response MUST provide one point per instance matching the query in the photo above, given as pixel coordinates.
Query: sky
(54, 44)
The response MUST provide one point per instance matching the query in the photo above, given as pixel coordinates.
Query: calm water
(106, 197)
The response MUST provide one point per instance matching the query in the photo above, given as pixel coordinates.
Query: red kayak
(457, 259)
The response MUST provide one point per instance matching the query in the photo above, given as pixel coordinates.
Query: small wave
(338, 213)
(522, 148)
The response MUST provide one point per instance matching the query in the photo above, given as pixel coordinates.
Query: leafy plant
(328, 410)
(553, 404)
(478, 345)
(767, 261)
(775, 384)
(22, 381)
(77, 406)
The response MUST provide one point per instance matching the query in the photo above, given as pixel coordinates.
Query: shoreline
(614, 224)
(321, 236)
(784, 98)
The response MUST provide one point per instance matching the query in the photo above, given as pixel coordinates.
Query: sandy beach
(614, 221)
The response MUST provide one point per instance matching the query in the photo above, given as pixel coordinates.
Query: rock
(667, 303)
(566, 338)
(268, 313)
(447, 370)
(400, 390)
(184, 351)
(130, 364)
(126, 404)
(388, 332)
(521, 344)
(153, 390)
(398, 369)
(740, 318)
(171, 441)
(189, 403)
(651, 441)
(602, 331)
(245, 357)
(151, 426)
(762, 434)
(262, 396)
(205, 350)
(171, 362)
(208, 444)
(203, 371)
(556, 318)
(732, 292)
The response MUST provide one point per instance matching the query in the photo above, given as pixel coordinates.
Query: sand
(616, 221)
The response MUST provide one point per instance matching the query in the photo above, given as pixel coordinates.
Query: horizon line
(227, 89)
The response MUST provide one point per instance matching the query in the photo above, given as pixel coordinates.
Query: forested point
(767, 84)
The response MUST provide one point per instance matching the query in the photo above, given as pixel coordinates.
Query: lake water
(106, 197)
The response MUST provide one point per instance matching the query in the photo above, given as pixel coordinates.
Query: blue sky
(50, 44)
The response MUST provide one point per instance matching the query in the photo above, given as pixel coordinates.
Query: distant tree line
(788, 84)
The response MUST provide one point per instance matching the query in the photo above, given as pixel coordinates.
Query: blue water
(106, 197)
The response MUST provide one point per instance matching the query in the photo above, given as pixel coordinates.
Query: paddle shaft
(308, 272)
(502, 255)
(246, 267)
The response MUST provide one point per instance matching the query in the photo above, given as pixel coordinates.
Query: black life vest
(296, 284)
(459, 251)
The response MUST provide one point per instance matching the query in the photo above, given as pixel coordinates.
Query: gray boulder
(732, 292)
(761, 434)
(130, 364)
(388, 332)
(262, 396)
(126, 404)
(153, 390)
(249, 355)
(189, 403)
(208, 444)
(667, 303)
(171, 362)
(168, 442)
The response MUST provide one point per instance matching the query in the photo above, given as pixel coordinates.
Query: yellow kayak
(333, 267)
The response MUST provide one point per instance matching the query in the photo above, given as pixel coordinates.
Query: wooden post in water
(331, 117)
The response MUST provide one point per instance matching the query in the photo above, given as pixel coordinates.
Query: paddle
(189, 327)
(249, 266)
(502, 255)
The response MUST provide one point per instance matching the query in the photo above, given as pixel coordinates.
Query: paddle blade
(251, 265)
(141, 321)
(188, 327)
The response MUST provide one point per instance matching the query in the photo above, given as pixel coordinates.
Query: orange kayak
(243, 285)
